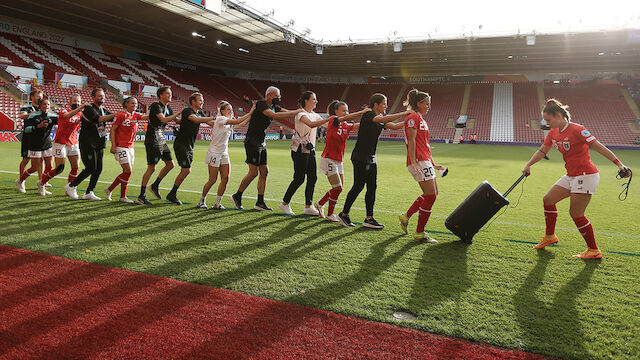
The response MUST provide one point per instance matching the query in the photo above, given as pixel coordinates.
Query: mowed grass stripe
(512, 296)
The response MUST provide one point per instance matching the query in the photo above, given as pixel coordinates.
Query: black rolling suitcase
(478, 208)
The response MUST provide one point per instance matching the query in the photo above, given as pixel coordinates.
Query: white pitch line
(377, 210)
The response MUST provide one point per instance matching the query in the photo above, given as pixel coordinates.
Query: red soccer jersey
(423, 150)
(336, 138)
(573, 143)
(127, 126)
(67, 133)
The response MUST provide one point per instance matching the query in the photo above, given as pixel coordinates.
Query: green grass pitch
(497, 290)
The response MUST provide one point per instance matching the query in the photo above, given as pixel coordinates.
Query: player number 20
(428, 172)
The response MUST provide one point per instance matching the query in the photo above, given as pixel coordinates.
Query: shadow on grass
(441, 278)
(553, 328)
(371, 267)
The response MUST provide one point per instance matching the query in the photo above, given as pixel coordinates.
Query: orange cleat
(589, 254)
(546, 241)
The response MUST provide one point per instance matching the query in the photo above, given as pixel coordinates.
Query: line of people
(572, 140)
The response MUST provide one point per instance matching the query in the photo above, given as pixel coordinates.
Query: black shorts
(156, 152)
(256, 154)
(184, 155)
(24, 149)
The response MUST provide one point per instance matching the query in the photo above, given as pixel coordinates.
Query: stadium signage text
(9, 136)
(31, 32)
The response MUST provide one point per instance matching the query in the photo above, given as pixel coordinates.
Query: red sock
(124, 181)
(26, 174)
(425, 211)
(333, 199)
(325, 198)
(72, 175)
(48, 175)
(550, 217)
(115, 183)
(585, 228)
(415, 206)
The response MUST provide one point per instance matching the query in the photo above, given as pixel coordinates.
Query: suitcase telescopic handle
(514, 185)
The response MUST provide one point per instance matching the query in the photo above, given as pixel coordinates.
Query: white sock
(218, 200)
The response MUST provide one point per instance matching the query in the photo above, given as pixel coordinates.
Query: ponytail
(304, 97)
(553, 106)
(331, 110)
(413, 98)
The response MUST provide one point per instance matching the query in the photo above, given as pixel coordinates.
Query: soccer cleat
(237, 201)
(47, 192)
(107, 194)
(47, 185)
(142, 200)
(333, 218)
(89, 195)
(201, 205)
(424, 237)
(174, 199)
(126, 200)
(311, 210)
(71, 191)
(41, 189)
(218, 207)
(345, 220)
(546, 241)
(372, 224)
(262, 207)
(286, 209)
(320, 210)
(155, 190)
(20, 186)
(589, 254)
(404, 222)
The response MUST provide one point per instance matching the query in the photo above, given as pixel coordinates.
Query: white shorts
(125, 155)
(581, 184)
(426, 173)
(331, 167)
(216, 159)
(62, 151)
(40, 154)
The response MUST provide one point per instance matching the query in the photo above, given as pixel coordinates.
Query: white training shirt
(220, 133)
(304, 133)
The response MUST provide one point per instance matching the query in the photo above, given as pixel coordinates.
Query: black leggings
(303, 164)
(92, 160)
(363, 174)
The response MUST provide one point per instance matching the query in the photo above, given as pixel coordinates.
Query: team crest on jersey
(566, 145)
(411, 123)
(585, 133)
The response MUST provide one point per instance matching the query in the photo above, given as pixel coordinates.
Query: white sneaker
(20, 186)
(41, 189)
(286, 209)
(71, 191)
(311, 210)
(320, 210)
(107, 194)
(89, 195)
(126, 200)
(333, 218)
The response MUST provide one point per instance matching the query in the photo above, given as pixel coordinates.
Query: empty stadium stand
(503, 112)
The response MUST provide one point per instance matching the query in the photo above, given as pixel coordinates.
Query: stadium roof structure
(241, 39)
